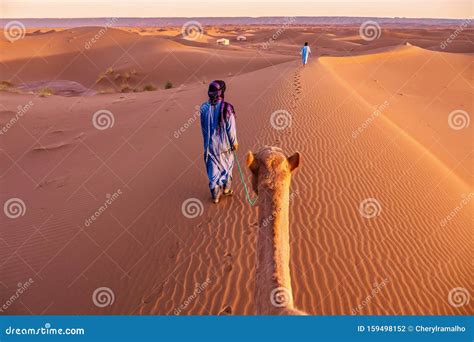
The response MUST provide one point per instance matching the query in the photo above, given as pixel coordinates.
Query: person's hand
(235, 147)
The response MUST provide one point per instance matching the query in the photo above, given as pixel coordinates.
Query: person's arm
(204, 124)
(309, 50)
(231, 127)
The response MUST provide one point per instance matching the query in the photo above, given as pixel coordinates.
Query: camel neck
(273, 246)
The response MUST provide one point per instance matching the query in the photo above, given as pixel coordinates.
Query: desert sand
(370, 120)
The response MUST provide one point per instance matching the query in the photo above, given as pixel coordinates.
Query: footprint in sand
(59, 182)
(228, 261)
(226, 311)
(147, 300)
(58, 145)
(174, 250)
(228, 268)
(297, 81)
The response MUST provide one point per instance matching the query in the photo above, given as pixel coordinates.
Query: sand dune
(117, 61)
(148, 163)
(415, 96)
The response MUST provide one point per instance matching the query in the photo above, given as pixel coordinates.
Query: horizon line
(233, 17)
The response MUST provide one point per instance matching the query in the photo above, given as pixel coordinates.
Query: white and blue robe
(219, 137)
(305, 52)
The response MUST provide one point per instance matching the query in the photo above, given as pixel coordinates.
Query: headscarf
(216, 94)
(216, 91)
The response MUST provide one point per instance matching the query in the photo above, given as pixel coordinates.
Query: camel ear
(251, 163)
(294, 161)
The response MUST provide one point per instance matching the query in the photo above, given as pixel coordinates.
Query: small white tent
(223, 41)
(241, 38)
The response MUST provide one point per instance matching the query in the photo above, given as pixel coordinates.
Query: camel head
(270, 166)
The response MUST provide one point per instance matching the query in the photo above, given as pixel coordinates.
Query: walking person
(220, 140)
(305, 52)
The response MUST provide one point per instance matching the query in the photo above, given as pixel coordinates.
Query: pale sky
(462, 9)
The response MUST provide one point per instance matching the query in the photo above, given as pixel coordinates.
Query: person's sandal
(228, 192)
(227, 189)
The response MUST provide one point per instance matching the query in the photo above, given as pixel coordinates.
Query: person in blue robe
(305, 52)
(220, 140)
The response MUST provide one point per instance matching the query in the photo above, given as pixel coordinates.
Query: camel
(271, 177)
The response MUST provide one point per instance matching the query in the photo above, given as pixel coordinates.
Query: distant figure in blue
(305, 52)
(220, 140)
